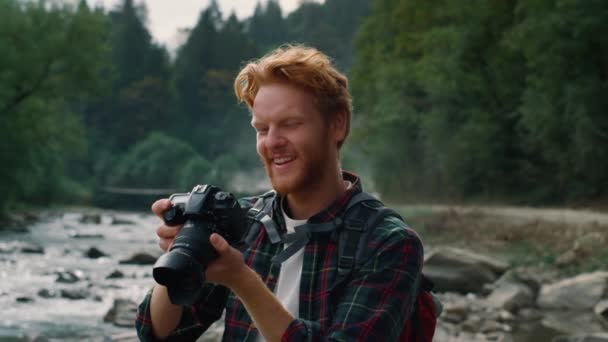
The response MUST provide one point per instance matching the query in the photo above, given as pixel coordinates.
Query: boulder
(597, 337)
(76, 235)
(116, 274)
(31, 248)
(571, 322)
(69, 277)
(121, 221)
(74, 294)
(510, 296)
(46, 293)
(24, 299)
(122, 313)
(90, 218)
(601, 310)
(457, 270)
(94, 253)
(140, 259)
(582, 292)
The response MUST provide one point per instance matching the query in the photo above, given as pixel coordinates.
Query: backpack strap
(260, 215)
(358, 224)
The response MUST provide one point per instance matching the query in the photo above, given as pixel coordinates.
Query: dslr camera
(203, 211)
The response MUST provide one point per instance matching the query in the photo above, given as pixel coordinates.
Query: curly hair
(302, 66)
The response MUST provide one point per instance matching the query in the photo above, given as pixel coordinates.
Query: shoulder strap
(361, 216)
(259, 215)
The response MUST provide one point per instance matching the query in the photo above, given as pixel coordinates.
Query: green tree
(50, 58)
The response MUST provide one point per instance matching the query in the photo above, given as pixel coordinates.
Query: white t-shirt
(288, 284)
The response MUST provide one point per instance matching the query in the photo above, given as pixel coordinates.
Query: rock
(118, 221)
(601, 310)
(597, 337)
(571, 322)
(510, 296)
(116, 274)
(122, 313)
(461, 271)
(582, 292)
(31, 249)
(68, 277)
(140, 259)
(566, 259)
(590, 243)
(90, 218)
(46, 293)
(76, 235)
(94, 253)
(74, 294)
(24, 299)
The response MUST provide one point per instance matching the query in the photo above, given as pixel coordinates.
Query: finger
(167, 232)
(160, 206)
(164, 244)
(219, 243)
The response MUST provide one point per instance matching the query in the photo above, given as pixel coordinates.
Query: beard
(305, 174)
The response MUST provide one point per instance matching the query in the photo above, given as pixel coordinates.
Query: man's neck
(303, 205)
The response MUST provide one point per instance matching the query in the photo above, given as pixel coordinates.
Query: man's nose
(274, 138)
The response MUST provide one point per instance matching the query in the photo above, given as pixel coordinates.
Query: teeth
(282, 160)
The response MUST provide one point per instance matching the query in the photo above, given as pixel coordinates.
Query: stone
(74, 294)
(94, 253)
(122, 313)
(24, 299)
(76, 235)
(46, 293)
(596, 337)
(571, 322)
(31, 249)
(601, 310)
(457, 270)
(510, 296)
(582, 292)
(116, 274)
(67, 277)
(90, 218)
(140, 259)
(118, 221)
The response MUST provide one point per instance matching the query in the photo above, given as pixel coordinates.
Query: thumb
(219, 243)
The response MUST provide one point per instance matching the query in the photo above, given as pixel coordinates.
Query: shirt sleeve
(379, 297)
(195, 320)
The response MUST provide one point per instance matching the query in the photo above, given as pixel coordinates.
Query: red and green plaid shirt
(373, 306)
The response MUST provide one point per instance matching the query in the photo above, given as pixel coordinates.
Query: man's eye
(262, 130)
(292, 123)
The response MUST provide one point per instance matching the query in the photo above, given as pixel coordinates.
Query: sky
(166, 17)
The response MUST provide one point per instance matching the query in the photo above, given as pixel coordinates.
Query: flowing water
(26, 314)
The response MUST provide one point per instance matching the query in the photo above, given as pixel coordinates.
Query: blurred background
(465, 114)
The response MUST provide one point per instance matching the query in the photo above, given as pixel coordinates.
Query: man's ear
(339, 124)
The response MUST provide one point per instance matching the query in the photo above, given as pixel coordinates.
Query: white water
(23, 275)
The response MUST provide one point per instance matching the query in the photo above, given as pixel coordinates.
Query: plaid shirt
(372, 306)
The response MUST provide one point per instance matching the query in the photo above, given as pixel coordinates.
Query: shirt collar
(333, 210)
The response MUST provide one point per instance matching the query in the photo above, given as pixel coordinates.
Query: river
(65, 240)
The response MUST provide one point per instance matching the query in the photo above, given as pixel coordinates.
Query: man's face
(294, 141)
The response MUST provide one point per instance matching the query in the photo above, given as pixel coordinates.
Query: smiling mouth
(279, 161)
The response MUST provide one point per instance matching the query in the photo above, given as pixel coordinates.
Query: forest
(499, 101)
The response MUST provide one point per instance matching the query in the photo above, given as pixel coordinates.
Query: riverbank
(75, 274)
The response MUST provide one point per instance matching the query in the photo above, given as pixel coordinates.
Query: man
(301, 112)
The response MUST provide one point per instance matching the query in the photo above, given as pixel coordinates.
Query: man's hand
(165, 233)
(229, 267)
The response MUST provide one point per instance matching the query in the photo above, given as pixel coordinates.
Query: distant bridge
(138, 191)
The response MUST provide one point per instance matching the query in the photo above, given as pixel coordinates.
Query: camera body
(203, 211)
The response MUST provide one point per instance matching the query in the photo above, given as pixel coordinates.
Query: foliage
(486, 100)
(50, 58)
(159, 161)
